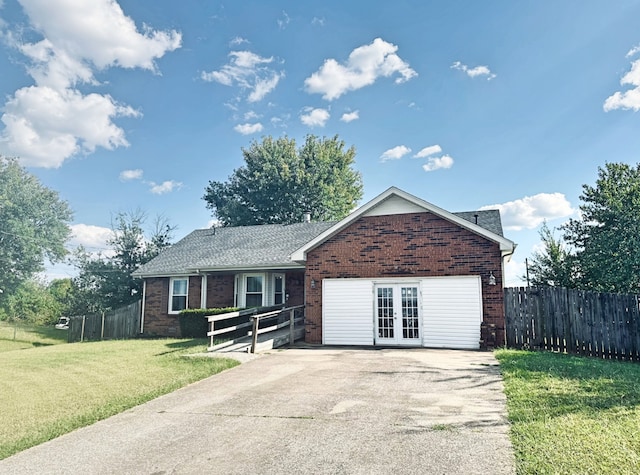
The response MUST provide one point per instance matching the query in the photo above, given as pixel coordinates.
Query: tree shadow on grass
(181, 345)
(560, 384)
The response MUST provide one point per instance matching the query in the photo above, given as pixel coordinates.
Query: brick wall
(407, 245)
(220, 290)
(157, 321)
(220, 293)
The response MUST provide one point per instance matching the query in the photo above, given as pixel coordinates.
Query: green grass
(572, 415)
(28, 336)
(47, 391)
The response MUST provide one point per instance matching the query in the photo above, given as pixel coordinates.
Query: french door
(397, 315)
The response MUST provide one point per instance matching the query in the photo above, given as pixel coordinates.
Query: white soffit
(394, 205)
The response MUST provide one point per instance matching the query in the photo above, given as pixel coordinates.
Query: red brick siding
(406, 245)
(220, 293)
(195, 284)
(157, 321)
(220, 290)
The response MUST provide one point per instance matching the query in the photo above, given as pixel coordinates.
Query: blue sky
(469, 104)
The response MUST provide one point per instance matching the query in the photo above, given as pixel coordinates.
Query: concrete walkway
(305, 410)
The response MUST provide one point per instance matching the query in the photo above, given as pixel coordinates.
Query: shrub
(193, 322)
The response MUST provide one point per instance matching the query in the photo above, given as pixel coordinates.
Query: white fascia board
(201, 270)
(300, 255)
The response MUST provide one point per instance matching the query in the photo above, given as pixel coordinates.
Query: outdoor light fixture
(492, 278)
(313, 284)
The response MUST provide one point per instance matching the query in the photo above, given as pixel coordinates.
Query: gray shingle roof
(268, 245)
(488, 219)
(264, 246)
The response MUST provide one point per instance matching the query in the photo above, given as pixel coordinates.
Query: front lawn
(17, 337)
(47, 391)
(572, 415)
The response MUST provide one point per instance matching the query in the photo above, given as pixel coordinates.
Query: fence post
(292, 323)
(254, 336)
(102, 327)
(82, 331)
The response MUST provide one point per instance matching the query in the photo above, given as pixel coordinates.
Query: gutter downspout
(203, 290)
(144, 299)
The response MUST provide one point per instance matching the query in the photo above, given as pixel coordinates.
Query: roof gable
(396, 201)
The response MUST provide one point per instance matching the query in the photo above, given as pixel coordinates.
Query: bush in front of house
(193, 321)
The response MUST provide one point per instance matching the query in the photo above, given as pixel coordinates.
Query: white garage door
(362, 311)
(452, 309)
(347, 312)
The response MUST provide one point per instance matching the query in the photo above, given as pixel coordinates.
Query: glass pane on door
(385, 312)
(410, 320)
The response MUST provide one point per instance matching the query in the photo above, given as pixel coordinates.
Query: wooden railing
(236, 332)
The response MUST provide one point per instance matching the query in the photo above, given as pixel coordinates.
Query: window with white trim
(259, 289)
(178, 294)
(254, 290)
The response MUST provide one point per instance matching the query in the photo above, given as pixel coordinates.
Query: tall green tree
(105, 281)
(554, 265)
(607, 235)
(280, 182)
(34, 226)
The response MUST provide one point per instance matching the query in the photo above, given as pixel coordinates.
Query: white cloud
(315, 117)
(51, 121)
(320, 21)
(531, 211)
(238, 40)
(248, 129)
(350, 116)
(513, 272)
(395, 153)
(45, 126)
(89, 236)
(474, 72)
(164, 187)
(251, 115)
(629, 99)
(78, 34)
(365, 65)
(438, 163)
(248, 71)
(430, 150)
(127, 175)
(633, 51)
(284, 20)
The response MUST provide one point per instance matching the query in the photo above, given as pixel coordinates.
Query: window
(253, 295)
(178, 293)
(278, 289)
(260, 289)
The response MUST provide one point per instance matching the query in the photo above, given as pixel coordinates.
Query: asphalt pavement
(305, 410)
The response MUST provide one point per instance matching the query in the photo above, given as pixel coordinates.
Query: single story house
(396, 271)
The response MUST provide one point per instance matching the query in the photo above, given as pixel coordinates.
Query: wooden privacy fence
(239, 326)
(573, 321)
(121, 323)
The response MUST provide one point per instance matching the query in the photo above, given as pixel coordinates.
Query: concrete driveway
(305, 410)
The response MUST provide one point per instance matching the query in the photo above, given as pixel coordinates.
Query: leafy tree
(607, 236)
(554, 264)
(33, 226)
(279, 183)
(33, 303)
(105, 281)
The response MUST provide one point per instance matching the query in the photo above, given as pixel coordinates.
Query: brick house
(396, 271)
